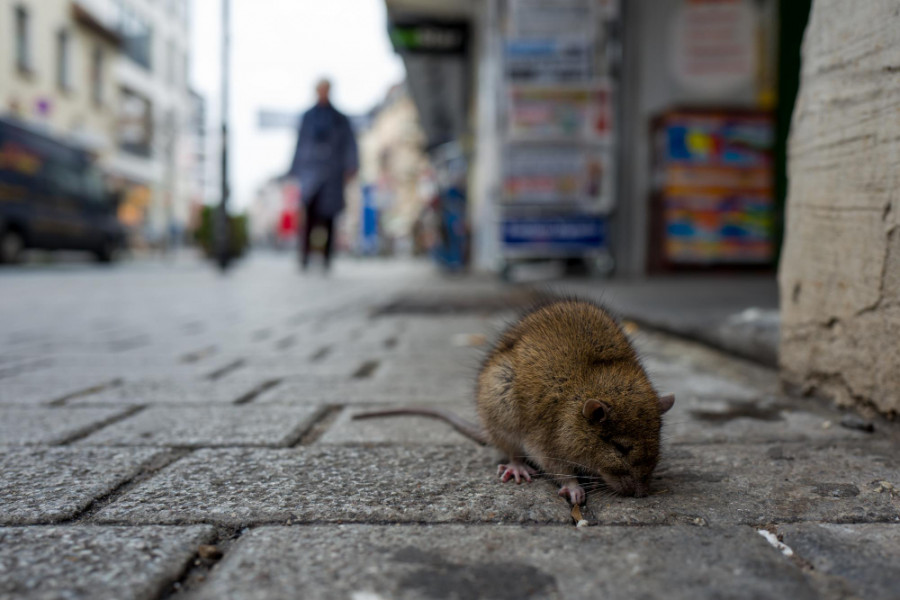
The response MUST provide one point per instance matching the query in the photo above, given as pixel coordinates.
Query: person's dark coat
(326, 154)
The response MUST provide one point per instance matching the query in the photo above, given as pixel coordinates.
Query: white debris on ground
(773, 540)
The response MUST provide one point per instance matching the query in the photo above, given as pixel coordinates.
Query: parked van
(52, 197)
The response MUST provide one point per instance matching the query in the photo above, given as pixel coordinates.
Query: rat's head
(604, 416)
(621, 438)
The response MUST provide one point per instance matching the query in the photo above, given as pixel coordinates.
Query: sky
(279, 49)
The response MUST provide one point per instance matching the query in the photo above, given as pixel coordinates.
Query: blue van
(52, 197)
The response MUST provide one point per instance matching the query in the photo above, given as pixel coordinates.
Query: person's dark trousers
(311, 222)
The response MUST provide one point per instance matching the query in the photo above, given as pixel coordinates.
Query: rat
(563, 389)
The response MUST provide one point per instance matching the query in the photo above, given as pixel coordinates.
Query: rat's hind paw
(515, 470)
(574, 493)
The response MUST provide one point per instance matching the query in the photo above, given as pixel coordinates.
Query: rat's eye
(622, 449)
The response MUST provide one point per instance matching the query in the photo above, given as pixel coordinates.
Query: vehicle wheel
(106, 253)
(11, 245)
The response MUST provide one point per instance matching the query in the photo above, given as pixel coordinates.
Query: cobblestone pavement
(168, 433)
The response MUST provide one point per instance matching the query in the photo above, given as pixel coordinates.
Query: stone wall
(840, 269)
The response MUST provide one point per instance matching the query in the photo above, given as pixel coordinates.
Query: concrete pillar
(840, 269)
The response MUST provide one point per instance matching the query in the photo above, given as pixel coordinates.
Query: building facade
(57, 71)
(112, 76)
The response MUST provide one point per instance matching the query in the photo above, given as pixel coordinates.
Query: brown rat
(563, 389)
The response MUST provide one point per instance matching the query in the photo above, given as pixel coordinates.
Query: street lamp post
(223, 249)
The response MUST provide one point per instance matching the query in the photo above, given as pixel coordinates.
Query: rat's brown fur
(534, 384)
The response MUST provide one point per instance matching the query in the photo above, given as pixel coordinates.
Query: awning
(433, 38)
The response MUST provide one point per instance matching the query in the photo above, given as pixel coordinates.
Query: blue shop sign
(568, 233)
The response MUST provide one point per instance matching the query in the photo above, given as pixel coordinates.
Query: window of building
(185, 70)
(171, 66)
(137, 36)
(63, 60)
(97, 60)
(23, 39)
(135, 130)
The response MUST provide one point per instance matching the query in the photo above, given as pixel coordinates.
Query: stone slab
(686, 383)
(725, 408)
(336, 483)
(864, 556)
(171, 391)
(45, 485)
(95, 562)
(198, 426)
(712, 419)
(758, 484)
(364, 391)
(40, 388)
(504, 562)
(40, 425)
(660, 350)
(280, 367)
(396, 430)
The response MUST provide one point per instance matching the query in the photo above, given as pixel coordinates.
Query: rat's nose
(628, 486)
(641, 487)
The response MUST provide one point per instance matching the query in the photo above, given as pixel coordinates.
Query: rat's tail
(464, 426)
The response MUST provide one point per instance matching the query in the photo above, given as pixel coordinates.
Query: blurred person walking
(324, 161)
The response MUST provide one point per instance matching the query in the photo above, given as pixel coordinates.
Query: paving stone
(762, 420)
(336, 483)
(40, 425)
(44, 485)
(396, 430)
(760, 484)
(449, 371)
(712, 408)
(13, 366)
(172, 391)
(279, 367)
(657, 349)
(37, 387)
(688, 384)
(864, 556)
(196, 426)
(95, 562)
(504, 562)
(365, 391)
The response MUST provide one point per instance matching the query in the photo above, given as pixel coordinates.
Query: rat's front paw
(572, 492)
(515, 470)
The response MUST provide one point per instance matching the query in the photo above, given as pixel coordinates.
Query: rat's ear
(666, 402)
(595, 411)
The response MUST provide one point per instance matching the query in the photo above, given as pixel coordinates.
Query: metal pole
(223, 250)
